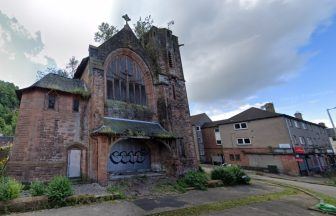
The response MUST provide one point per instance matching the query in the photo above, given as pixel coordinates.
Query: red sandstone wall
(43, 136)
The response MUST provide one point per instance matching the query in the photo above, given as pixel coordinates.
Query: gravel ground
(93, 188)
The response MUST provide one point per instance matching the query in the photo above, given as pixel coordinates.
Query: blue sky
(237, 53)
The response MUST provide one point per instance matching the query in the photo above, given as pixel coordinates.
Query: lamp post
(332, 123)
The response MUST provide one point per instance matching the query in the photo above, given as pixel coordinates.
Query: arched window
(124, 81)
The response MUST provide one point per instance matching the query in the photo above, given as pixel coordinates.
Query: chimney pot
(298, 115)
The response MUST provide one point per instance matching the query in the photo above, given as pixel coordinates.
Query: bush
(195, 179)
(37, 188)
(9, 188)
(230, 175)
(58, 189)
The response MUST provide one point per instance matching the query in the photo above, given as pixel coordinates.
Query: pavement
(291, 205)
(325, 189)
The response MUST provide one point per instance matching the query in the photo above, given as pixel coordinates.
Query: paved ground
(146, 206)
(328, 190)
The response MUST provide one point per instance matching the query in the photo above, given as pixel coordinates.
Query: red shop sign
(299, 149)
(299, 160)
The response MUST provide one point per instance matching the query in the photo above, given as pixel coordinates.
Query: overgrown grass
(117, 190)
(222, 205)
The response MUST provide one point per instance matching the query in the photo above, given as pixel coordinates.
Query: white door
(74, 159)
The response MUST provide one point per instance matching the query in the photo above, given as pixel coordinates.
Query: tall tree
(143, 26)
(72, 66)
(105, 32)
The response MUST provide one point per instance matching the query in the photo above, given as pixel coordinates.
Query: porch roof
(133, 129)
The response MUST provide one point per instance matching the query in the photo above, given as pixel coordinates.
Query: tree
(72, 66)
(54, 70)
(143, 26)
(105, 32)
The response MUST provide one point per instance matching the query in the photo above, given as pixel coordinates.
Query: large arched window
(124, 81)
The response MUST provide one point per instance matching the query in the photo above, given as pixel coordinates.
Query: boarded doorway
(128, 156)
(74, 162)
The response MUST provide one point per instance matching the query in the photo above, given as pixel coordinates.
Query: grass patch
(117, 190)
(222, 205)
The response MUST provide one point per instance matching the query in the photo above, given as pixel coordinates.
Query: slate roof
(81, 67)
(199, 118)
(252, 114)
(59, 83)
(132, 128)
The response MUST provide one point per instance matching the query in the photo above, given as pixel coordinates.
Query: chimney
(298, 115)
(268, 107)
(322, 124)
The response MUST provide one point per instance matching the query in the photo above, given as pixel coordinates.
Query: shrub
(195, 179)
(117, 190)
(58, 189)
(37, 188)
(230, 175)
(9, 188)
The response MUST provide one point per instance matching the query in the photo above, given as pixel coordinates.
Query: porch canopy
(132, 129)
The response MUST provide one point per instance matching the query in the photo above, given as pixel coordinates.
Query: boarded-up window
(75, 105)
(51, 101)
(109, 89)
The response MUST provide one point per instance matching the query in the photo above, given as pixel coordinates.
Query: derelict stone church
(125, 111)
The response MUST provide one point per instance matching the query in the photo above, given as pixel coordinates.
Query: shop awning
(132, 129)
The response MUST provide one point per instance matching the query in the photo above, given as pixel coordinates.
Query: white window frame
(240, 126)
(295, 141)
(309, 141)
(304, 125)
(198, 128)
(289, 122)
(218, 136)
(244, 143)
(302, 140)
(296, 124)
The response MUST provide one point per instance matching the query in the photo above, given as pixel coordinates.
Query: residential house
(264, 139)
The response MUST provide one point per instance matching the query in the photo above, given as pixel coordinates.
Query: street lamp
(332, 123)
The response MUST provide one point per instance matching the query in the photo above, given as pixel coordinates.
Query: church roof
(59, 83)
(133, 129)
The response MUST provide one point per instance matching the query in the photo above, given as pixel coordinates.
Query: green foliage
(9, 188)
(231, 175)
(117, 190)
(143, 26)
(8, 108)
(105, 32)
(37, 188)
(195, 179)
(58, 189)
(53, 70)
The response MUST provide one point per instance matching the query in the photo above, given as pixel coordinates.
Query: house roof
(132, 128)
(59, 83)
(81, 67)
(199, 118)
(252, 114)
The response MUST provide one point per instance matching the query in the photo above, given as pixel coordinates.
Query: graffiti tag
(124, 157)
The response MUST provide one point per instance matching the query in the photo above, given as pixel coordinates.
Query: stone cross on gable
(126, 18)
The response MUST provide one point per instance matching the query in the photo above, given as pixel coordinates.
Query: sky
(237, 53)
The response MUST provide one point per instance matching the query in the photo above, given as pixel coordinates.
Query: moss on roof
(133, 128)
(59, 83)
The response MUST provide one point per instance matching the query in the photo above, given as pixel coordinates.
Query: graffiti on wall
(125, 157)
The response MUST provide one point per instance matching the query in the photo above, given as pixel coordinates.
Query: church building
(124, 112)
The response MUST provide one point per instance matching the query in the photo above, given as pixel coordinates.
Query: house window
(181, 148)
(302, 140)
(237, 157)
(51, 101)
(304, 126)
(294, 139)
(309, 141)
(75, 105)
(296, 124)
(218, 136)
(243, 141)
(289, 122)
(124, 81)
(231, 157)
(240, 126)
(198, 128)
